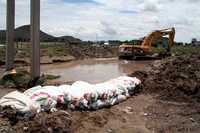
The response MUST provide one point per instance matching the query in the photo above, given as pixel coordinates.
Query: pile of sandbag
(19, 101)
(80, 95)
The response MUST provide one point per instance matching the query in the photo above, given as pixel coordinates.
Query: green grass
(23, 49)
(179, 50)
(185, 50)
(50, 77)
(22, 79)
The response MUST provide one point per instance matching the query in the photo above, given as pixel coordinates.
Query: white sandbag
(80, 88)
(45, 101)
(81, 94)
(48, 96)
(64, 89)
(126, 85)
(105, 90)
(32, 90)
(20, 102)
(84, 95)
(64, 96)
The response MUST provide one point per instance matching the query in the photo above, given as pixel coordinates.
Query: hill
(23, 34)
(69, 39)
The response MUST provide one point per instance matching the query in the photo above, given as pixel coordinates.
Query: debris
(192, 119)
(25, 128)
(110, 131)
(53, 110)
(145, 114)
(128, 110)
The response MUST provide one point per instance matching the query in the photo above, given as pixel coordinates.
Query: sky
(111, 19)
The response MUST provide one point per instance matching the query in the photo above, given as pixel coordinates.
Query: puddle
(93, 70)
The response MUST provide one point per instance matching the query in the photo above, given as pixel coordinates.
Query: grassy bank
(185, 50)
(180, 50)
(56, 52)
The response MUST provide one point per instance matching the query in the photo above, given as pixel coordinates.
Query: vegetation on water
(22, 79)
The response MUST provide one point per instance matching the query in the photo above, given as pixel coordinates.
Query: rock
(192, 119)
(62, 58)
(145, 114)
(25, 128)
(128, 110)
(46, 60)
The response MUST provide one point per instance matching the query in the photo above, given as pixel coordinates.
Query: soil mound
(12, 120)
(88, 51)
(174, 79)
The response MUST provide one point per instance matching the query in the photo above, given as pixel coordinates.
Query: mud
(91, 51)
(63, 53)
(173, 117)
(175, 85)
(127, 117)
(169, 102)
(5, 90)
(14, 121)
(175, 79)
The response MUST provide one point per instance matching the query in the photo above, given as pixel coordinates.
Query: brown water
(93, 70)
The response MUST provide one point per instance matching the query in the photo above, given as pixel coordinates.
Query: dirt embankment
(169, 102)
(69, 52)
(90, 51)
(63, 53)
(177, 79)
(175, 85)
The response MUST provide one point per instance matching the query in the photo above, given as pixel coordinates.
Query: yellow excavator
(143, 47)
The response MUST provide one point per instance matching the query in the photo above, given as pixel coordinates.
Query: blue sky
(111, 19)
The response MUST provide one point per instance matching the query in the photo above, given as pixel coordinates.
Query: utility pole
(35, 39)
(10, 26)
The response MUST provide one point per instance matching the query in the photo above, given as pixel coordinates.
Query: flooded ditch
(93, 70)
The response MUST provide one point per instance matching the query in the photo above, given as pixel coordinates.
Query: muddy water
(93, 70)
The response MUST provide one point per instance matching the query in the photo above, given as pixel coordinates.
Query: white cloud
(112, 19)
(150, 5)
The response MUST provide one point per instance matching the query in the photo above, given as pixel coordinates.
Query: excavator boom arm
(143, 47)
(149, 38)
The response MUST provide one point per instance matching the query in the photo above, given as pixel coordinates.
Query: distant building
(2, 45)
(114, 42)
(195, 42)
(106, 43)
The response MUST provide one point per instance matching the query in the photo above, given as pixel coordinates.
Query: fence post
(10, 26)
(35, 39)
